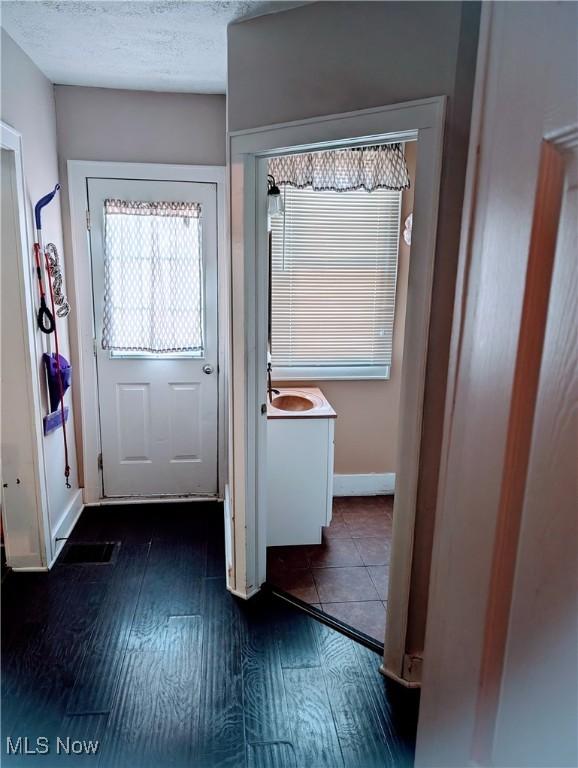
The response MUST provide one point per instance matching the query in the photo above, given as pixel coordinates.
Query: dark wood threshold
(324, 618)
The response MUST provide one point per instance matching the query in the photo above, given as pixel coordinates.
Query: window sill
(337, 373)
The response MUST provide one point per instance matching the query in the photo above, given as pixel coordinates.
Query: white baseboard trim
(29, 569)
(66, 524)
(402, 681)
(244, 595)
(364, 485)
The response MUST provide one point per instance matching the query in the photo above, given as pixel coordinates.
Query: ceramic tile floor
(347, 575)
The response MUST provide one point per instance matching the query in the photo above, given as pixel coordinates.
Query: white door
(154, 270)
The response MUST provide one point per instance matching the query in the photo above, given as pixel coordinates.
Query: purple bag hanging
(52, 377)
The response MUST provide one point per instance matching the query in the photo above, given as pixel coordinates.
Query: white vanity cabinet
(300, 474)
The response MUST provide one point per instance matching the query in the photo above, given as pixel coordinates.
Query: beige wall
(333, 57)
(28, 106)
(138, 127)
(367, 411)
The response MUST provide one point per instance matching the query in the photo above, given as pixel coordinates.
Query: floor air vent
(79, 553)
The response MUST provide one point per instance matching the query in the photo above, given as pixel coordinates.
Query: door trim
(17, 552)
(520, 432)
(80, 266)
(463, 547)
(247, 151)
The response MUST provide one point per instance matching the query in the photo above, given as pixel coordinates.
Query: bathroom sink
(293, 403)
(305, 403)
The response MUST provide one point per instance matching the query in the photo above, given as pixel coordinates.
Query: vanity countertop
(321, 409)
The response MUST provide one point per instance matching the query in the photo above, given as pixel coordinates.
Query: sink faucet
(270, 390)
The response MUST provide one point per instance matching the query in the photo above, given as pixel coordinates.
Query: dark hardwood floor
(154, 659)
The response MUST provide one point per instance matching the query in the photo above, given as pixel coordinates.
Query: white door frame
(22, 526)
(80, 265)
(247, 150)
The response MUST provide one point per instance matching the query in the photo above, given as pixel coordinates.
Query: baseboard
(392, 676)
(29, 569)
(364, 485)
(244, 595)
(67, 522)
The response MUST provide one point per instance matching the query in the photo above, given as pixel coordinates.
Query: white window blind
(333, 281)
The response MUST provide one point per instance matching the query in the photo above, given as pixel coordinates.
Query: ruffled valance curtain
(341, 170)
(153, 298)
(141, 208)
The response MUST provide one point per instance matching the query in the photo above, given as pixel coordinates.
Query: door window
(153, 279)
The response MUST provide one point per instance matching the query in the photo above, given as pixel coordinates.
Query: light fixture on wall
(274, 199)
(408, 226)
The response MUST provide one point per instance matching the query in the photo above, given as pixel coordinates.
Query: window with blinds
(333, 281)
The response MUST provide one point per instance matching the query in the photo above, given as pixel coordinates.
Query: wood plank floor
(154, 659)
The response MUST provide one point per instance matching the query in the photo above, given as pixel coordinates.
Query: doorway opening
(151, 355)
(154, 277)
(339, 254)
(250, 152)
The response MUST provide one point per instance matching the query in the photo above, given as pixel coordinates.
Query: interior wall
(28, 106)
(19, 470)
(138, 127)
(366, 428)
(333, 57)
(500, 684)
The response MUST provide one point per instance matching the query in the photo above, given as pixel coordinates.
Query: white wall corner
(364, 485)
(63, 528)
(229, 542)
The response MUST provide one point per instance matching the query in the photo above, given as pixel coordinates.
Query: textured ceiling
(176, 45)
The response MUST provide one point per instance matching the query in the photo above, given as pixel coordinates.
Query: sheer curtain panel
(153, 274)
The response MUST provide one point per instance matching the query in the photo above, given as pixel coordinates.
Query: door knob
(208, 369)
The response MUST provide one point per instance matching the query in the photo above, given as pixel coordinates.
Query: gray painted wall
(335, 57)
(140, 126)
(28, 106)
(136, 127)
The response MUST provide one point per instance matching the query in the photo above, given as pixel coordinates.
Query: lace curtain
(342, 170)
(153, 296)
